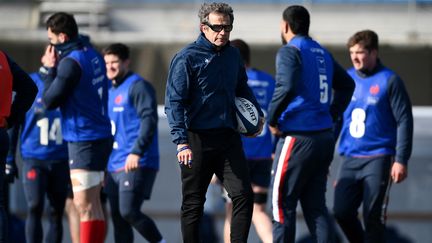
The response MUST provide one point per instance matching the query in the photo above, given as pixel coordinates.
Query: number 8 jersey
(41, 136)
(369, 127)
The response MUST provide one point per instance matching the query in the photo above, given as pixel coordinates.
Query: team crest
(118, 99)
(374, 89)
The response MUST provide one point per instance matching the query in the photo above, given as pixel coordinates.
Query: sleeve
(25, 93)
(143, 97)
(402, 111)
(13, 134)
(243, 89)
(288, 72)
(176, 98)
(343, 86)
(59, 82)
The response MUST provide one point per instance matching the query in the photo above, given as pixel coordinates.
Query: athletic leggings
(126, 201)
(52, 180)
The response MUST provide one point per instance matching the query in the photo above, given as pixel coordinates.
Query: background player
(134, 161)
(75, 78)
(12, 112)
(376, 141)
(45, 167)
(258, 150)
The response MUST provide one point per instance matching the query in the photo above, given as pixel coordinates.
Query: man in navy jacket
(203, 81)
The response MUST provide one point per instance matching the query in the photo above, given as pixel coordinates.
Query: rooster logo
(118, 99)
(374, 89)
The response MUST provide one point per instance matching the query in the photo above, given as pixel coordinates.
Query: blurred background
(156, 29)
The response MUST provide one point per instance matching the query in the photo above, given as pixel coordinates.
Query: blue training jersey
(85, 115)
(262, 85)
(310, 108)
(125, 128)
(369, 126)
(41, 135)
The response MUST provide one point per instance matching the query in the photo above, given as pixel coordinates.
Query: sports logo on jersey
(374, 89)
(321, 64)
(96, 65)
(118, 99)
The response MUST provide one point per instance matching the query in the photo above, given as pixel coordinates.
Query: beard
(284, 42)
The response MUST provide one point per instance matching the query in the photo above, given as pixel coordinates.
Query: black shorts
(90, 155)
(260, 172)
(139, 181)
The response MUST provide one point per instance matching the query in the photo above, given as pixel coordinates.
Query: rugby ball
(247, 116)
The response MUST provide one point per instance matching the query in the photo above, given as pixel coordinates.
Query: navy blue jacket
(25, 93)
(201, 87)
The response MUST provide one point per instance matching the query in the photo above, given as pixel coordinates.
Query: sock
(92, 231)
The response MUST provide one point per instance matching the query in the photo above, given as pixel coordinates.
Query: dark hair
(62, 22)
(118, 49)
(367, 38)
(243, 48)
(297, 18)
(221, 8)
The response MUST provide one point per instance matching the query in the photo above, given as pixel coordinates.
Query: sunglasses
(220, 27)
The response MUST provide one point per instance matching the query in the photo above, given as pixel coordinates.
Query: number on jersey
(50, 133)
(357, 126)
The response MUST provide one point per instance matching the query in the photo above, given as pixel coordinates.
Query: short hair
(367, 38)
(221, 8)
(298, 19)
(243, 48)
(118, 49)
(62, 22)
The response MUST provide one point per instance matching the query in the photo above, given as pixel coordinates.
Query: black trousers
(219, 152)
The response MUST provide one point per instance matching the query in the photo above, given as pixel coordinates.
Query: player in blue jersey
(12, 111)
(134, 160)
(45, 167)
(75, 80)
(376, 142)
(258, 150)
(302, 112)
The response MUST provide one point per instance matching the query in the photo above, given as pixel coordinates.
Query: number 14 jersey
(41, 136)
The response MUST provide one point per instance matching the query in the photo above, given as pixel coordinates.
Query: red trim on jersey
(282, 178)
